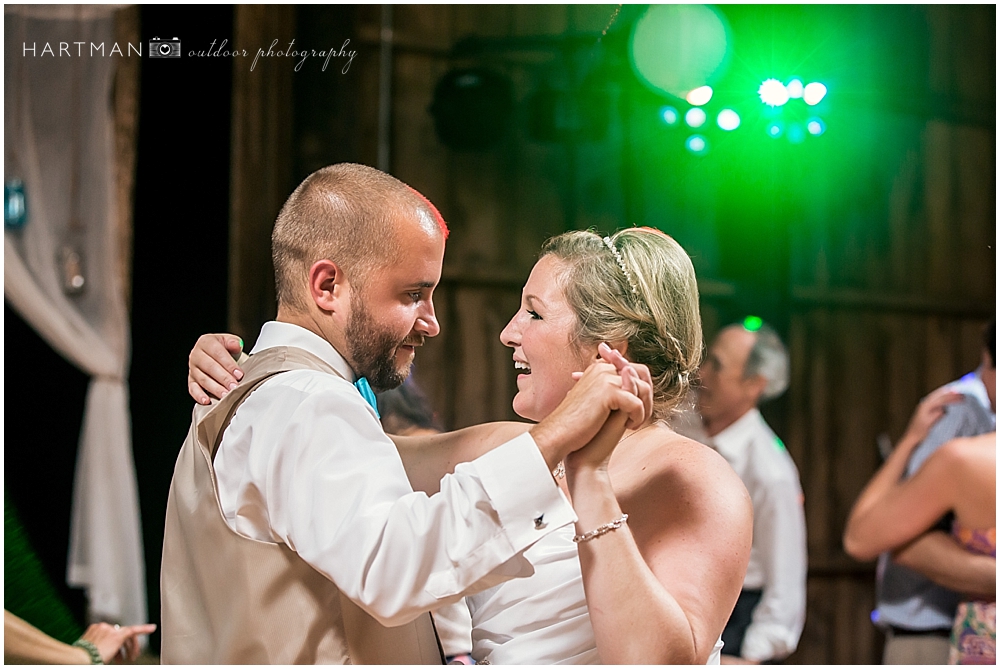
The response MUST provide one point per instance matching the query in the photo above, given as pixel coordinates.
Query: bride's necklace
(560, 471)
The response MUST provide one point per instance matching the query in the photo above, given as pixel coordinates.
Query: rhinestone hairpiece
(621, 263)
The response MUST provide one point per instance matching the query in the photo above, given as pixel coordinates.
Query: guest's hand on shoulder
(928, 412)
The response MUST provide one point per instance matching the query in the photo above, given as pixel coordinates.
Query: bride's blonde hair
(636, 286)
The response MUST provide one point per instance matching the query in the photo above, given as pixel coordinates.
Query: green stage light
(728, 119)
(752, 323)
(773, 93)
(775, 129)
(815, 126)
(695, 117)
(696, 144)
(795, 88)
(699, 96)
(669, 115)
(678, 48)
(813, 93)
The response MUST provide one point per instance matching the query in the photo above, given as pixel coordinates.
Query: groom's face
(393, 311)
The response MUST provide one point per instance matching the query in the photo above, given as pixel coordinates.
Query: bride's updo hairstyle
(636, 286)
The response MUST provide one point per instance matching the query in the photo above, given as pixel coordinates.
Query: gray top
(905, 598)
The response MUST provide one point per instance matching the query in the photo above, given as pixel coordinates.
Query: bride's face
(541, 335)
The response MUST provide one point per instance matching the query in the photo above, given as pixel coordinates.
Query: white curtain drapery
(59, 140)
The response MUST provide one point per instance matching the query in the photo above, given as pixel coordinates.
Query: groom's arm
(427, 458)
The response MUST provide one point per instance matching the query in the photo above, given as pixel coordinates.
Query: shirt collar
(275, 333)
(972, 384)
(731, 441)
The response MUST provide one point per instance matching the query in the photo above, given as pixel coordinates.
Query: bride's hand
(636, 379)
(596, 454)
(212, 368)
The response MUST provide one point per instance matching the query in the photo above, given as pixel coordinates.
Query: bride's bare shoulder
(669, 450)
(667, 467)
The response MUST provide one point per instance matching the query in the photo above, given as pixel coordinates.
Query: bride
(655, 563)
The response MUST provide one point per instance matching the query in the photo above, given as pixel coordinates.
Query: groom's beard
(373, 349)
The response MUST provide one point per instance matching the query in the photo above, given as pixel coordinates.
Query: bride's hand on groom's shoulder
(212, 368)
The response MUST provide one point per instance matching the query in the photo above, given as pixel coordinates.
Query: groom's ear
(328, 286)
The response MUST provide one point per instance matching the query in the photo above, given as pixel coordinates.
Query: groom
(292, 534)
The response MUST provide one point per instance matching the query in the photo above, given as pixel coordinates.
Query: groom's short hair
(345, 213)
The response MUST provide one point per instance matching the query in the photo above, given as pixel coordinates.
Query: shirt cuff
(519, 484)
(767, 641)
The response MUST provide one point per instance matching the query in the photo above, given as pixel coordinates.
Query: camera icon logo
(162, 48)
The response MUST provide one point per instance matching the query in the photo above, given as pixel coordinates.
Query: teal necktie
(366, 392)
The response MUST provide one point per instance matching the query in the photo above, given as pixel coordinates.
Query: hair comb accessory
(621, 263)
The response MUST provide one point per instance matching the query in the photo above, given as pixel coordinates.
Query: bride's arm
(427, 458)
(661, 588)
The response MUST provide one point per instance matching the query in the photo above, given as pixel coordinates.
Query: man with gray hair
(747, 364)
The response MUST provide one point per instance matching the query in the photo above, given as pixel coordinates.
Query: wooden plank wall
(881, 304)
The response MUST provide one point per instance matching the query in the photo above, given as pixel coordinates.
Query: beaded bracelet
(603, 529)
(95, 655)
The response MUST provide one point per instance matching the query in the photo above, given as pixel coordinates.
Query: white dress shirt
(305, 462)
(778, 560)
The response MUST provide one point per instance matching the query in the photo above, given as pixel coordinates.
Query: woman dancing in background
(960, 477)
(660, 587)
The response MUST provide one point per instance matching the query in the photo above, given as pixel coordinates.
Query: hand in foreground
(212, 368)
(114, 642)
(930, 409)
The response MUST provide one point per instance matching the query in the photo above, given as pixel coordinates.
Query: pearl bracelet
(603, 529)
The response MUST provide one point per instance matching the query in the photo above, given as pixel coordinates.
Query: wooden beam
(125, 102)
(261, 162)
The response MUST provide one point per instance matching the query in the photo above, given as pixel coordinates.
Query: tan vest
(228, 599)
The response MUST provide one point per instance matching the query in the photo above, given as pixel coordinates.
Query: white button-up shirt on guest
(778, 560)
(305, 462)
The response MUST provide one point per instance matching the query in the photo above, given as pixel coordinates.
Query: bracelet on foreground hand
(603, 529)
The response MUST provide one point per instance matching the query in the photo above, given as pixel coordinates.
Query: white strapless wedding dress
(542, 619)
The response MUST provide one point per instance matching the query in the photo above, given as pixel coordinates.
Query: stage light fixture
(796, 134)
(773, 93)
(669, 115)
(814, 93)
(472, 108)
(775, 129)
(815, 126)
(696, 144)
(728, 119)
(677, 48)
(795, 88)
(699, 96)
(752, 323)
(695, 117)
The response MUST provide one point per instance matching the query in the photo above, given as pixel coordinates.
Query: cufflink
(540, 522)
